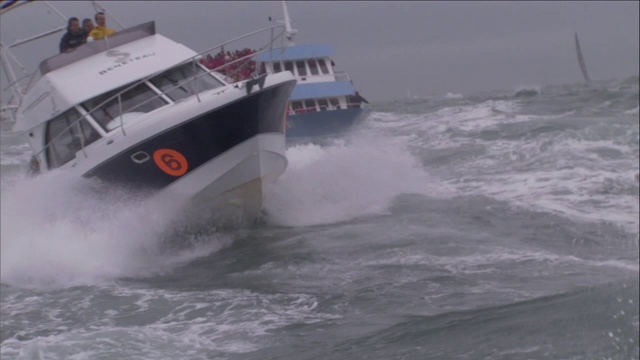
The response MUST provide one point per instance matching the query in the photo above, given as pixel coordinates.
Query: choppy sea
(497, 225)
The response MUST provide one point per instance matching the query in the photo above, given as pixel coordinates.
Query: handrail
(341, 75)
(162, 93)
(350, 105)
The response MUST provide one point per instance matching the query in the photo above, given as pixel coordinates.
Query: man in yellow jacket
(101, 30)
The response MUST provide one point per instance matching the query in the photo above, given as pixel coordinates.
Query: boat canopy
(297, 52)
(322, 90)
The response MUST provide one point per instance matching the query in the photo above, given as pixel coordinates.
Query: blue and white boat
(324, 102)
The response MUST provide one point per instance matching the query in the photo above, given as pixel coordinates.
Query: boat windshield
(139, 100)
(66, 136)
(177, 83)
(184, 81)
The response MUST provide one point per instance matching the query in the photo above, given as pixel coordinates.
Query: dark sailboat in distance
(583, 67)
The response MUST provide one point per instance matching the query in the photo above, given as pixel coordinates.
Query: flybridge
(95, 47)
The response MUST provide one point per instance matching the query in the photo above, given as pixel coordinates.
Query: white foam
(344, 181)
(55, 234)
(174, 325)
(453, 96)
(633, 111)
(567, 176)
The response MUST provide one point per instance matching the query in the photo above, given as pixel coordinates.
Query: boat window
(139, 100)
(288, 66)
(310, 105)
(178, 82)
(335, 103)
(66, 136)
(302, 68)
(313, 67)
(323, 104)
(323, 66)
(277, 67)
(296, 106)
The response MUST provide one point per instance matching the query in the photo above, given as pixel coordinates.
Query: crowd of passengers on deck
(236, 70)
(77, 35)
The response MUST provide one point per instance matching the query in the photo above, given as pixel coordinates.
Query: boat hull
(324, 123)
(230, 188)
(212, 163)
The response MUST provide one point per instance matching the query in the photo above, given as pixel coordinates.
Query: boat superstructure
(137, 110)
(324, 101)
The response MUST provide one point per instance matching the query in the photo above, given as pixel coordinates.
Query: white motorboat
(137, 110)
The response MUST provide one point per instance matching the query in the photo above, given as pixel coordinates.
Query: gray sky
(391, 49)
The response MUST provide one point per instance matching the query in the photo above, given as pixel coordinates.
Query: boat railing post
(81, 135)
(121, 117)
(271, 50)
(194, 79)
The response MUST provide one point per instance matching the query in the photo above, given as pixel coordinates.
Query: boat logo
(171, 162)
(122, 56)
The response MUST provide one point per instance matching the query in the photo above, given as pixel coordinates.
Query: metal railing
(327, 108)
(194, 60)
(341, 75)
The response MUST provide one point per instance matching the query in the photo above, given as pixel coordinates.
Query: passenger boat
(137, 111)
(324, 101)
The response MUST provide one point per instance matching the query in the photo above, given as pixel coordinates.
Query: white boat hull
(229, 188)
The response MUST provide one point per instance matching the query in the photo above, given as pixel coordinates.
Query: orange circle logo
(171, 162)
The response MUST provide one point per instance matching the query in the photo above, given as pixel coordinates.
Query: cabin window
(66, 136)
(296, 106)
(310, 105)
(334, 103)
(302, 68)
(178, 82)
(288, 66)
(323, 104)
(313, 67)
(277, 67)
(138, 100)
(323, 66)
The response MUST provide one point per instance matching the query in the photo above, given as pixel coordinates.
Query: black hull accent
(197, 140)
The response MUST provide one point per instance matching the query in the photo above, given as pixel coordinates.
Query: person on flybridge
(101, 30)
(87, 26)
(74, 36)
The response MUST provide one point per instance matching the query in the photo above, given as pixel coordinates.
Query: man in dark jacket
(74, 37)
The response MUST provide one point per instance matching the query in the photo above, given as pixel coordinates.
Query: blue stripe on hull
(322, 90)
(324, 123)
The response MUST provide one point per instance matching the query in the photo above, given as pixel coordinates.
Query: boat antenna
(287, 22)
(8, 71)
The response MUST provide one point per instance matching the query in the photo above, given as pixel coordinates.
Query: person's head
(101, 20)
(87, 25)
(73, 24)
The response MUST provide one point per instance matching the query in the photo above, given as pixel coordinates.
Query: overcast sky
(392, 49)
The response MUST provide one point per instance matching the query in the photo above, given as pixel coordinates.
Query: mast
(287, 22)
(583, 67)
(98, 7)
